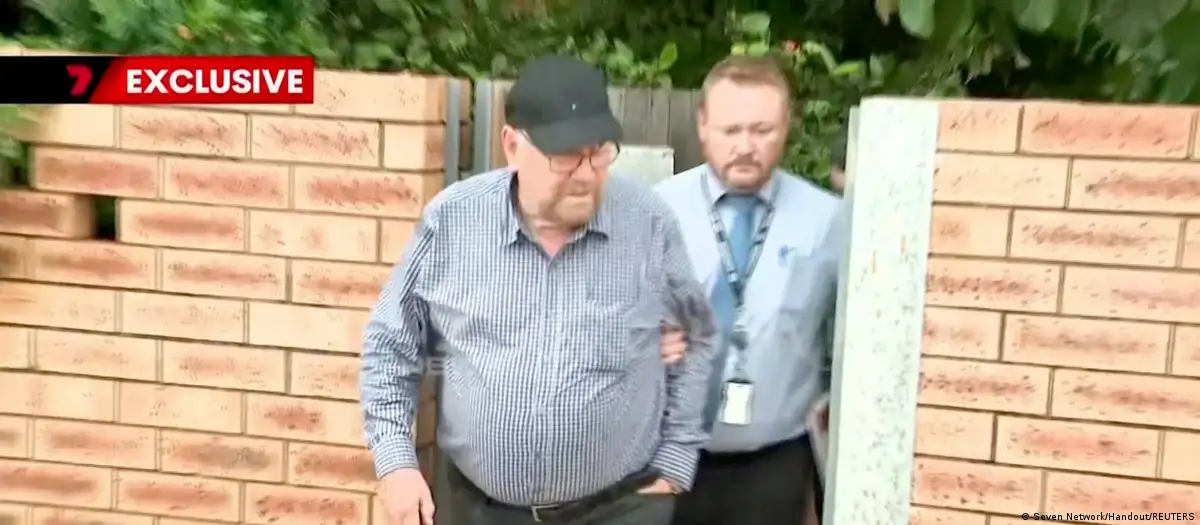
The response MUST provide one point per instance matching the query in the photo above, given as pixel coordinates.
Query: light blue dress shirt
(789, 297)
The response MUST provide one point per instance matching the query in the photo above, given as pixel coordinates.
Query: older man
(545, 285)
(766, 244)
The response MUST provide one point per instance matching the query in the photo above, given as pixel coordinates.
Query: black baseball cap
(562, 104)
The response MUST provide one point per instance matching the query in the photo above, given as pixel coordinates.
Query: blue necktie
(724, 307)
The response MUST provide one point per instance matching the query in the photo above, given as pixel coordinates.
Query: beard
(572, 210)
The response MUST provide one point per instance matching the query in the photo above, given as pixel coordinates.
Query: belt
(570, 510)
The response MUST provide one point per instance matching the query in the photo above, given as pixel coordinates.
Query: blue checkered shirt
(553, 382)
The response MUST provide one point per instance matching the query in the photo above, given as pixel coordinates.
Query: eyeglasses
(600, 158)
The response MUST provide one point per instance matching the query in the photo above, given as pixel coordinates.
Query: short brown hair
(742, 69)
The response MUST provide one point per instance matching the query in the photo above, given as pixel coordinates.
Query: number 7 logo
(82, 74)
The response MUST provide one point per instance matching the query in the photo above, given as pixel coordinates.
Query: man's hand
(673, 344)
(659, 487)
(820, 409)
(406, 498)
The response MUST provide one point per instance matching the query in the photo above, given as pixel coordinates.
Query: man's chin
(742, 177)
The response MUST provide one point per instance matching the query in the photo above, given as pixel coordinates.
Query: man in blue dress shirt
(544, 286)
(765, 245)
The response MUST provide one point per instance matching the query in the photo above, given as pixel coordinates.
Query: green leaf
(1035, 15)
(755, 24)
(668, 56)
(886, 8)
(1131, 22)
(757, 49)
(917, 16)
(953, 20)
(738, 49)
(1072, 18)
(1179, 84)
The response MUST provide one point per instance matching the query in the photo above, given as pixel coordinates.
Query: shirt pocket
(625, 315)
(808, 294)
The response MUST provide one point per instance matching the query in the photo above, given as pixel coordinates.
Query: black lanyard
(737, 281)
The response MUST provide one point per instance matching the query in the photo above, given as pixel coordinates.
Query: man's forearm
(390, 389)
(683, 431)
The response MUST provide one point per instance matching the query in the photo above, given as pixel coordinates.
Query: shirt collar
(717, 188)
(601, 223)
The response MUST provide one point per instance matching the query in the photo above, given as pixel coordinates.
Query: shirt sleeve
(395, 350)
(835, 246)
(687, 382)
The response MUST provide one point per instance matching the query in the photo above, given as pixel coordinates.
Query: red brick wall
(1062, 354)
(202, 368)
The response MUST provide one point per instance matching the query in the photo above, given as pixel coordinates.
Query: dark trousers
(766, 487)
(620, 505)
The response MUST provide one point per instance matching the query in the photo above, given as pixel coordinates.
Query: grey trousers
(471, 507)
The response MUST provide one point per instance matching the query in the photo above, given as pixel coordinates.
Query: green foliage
(1146, 48)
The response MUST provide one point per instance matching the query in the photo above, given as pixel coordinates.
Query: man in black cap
(544, 286)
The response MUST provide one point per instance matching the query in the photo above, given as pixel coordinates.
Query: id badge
(735, 404)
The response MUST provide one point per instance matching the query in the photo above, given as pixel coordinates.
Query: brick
(58, 306)
(183, 131)
(377, 96)
(1121, 185)
(222, 456)
(1155, 187)
(46, 214)
(181, 407)
(94, 172)
(270, 504)
(73, 125)
(96, 355)
(307, 327)
(181, 225)
(337, 284)
(183, 496)
(224, 274)
(1186, 356)
(1095, 238)
(51, 484)
(334, 422)
(48, 516)
(984, 386)
(1125, 398)
(414, 147)
(992, 285)
(1105, 130)
(96, 263)
(362, 192)
(393, 238)
(173, 521)
(333, 467)
(183, 317)
(956, 332)
(972, 486)
(56, 396)
(1084, 343)
(226, 182)
(94, 444)
(1076, 446)
(14, 514)
(978, 125)
(15, 346)
(13, 254)
(241, 108)
(318, 141)
(14, 437)
(1034, 182)
(224, 366)
(1131, 294)
(1191, 245)
(954, 433)
(319, 375)
(932, 516)
(313, 236)
(1081, 493)
(966, 230)
(1180, 461)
